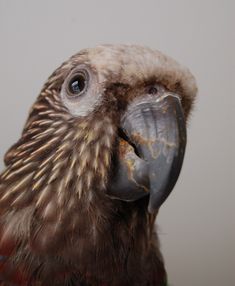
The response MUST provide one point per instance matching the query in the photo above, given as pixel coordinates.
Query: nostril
(123, 135)
(153, 90)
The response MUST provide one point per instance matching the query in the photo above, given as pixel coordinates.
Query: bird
(100, 152)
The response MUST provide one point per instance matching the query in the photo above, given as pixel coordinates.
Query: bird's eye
(77, 84)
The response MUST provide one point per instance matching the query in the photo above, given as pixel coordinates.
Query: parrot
(101, 150)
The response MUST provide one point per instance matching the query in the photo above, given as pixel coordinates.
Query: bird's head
(109, 122)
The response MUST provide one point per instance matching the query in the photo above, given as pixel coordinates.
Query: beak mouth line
(124, 137)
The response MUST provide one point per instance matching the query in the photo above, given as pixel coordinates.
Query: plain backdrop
(196, 223)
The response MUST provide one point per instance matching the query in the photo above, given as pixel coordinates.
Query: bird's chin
(152, 140)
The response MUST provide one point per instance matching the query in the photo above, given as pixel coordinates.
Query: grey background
(197, 222)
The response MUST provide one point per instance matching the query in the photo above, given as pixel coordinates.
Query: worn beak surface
(151, 150)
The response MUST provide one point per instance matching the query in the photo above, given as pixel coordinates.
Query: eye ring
(77, 84)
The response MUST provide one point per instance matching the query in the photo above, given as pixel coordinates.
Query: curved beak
(151, 150)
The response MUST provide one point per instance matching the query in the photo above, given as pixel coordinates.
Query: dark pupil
(77, 84)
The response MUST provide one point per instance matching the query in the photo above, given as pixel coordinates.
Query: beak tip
(154, 204)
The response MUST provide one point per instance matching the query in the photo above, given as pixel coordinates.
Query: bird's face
(134, 135)
(143, 117)
(109, 122)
